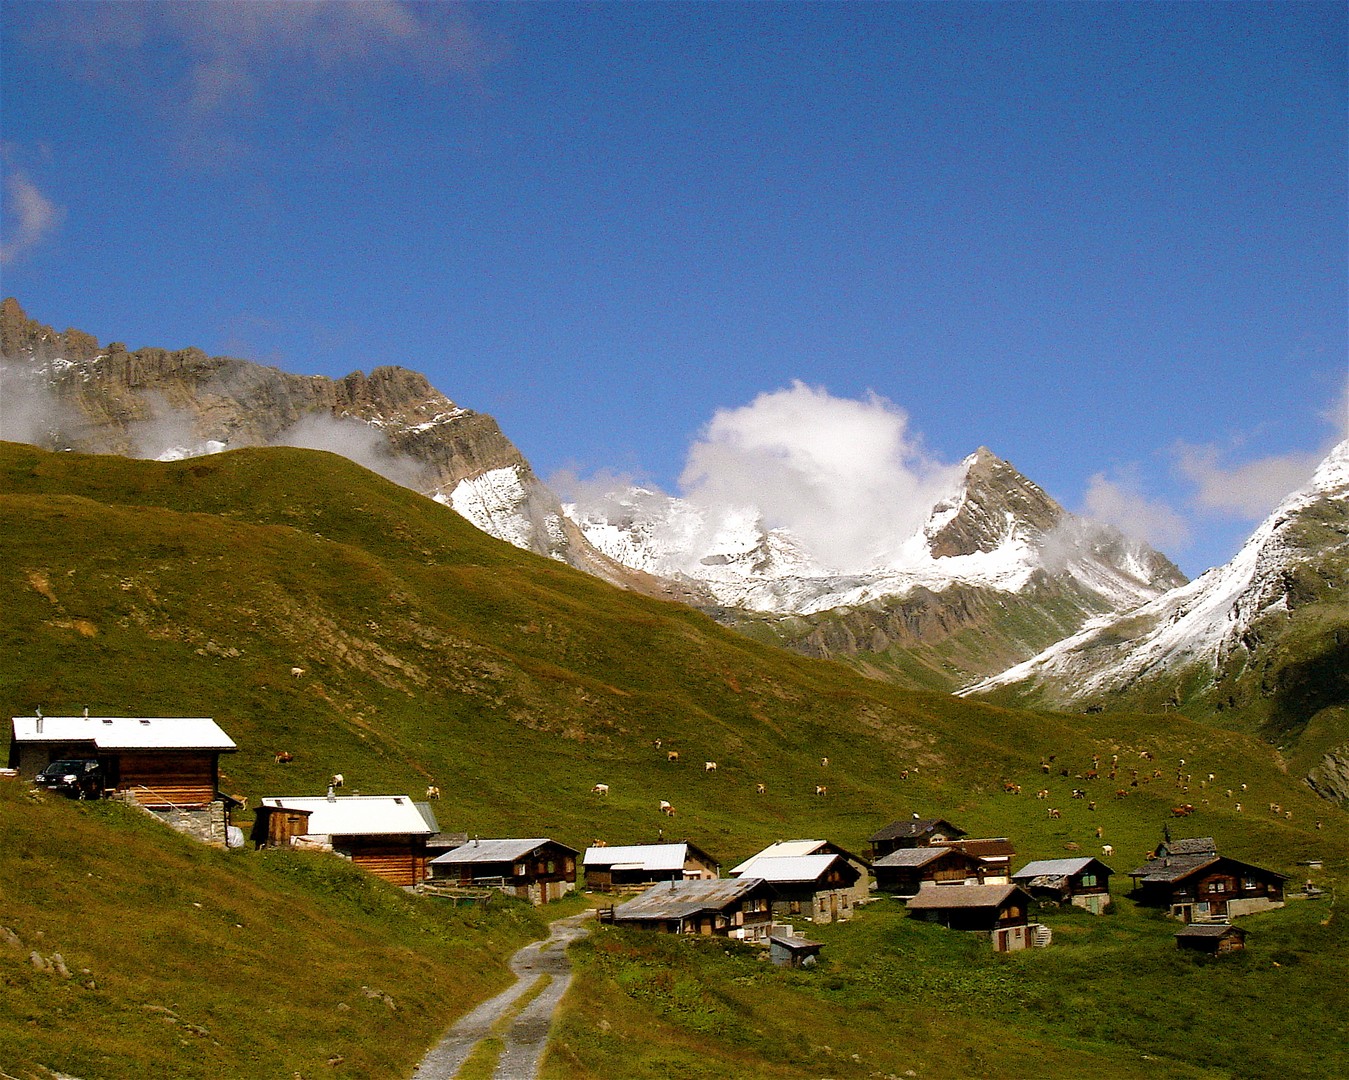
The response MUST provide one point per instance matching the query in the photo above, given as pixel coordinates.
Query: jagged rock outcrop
(1330, 779)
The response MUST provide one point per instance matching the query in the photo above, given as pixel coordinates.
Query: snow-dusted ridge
(1202, 622)
(734, 557)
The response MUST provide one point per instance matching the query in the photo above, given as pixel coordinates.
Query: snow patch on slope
(1199, 622)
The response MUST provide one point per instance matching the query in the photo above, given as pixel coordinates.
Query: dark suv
(76, 778)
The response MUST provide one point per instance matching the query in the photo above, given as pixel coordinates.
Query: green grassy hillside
(189, 962)
(433, 653)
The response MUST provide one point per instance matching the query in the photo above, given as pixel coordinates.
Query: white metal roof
(125, 732)
(638, 856)
(794, 868)
(783, 849)
(491, 851)
(1053, 868)
(358, 815)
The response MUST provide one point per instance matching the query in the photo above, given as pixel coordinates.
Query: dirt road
(528, 1033)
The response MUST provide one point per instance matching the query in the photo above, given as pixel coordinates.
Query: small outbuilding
(384, 834)
(722, 907)
(807, 882)
(915, 832)
(1084, 883)
(537, 870)
(1216, 939)
(635, 866)
(788, 950)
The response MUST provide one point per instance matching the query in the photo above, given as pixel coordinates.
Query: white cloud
(1120, 502)
(846, 477)
(1247, 491)
(30, 217)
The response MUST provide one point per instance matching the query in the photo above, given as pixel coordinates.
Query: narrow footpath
(528, 1033)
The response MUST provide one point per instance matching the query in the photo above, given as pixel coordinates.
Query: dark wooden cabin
(1084, 883)
(993, 853)
(1198, 886)
(161, 762)
(904, 871)
(537, 870)
(1001, 911)
(916, 832)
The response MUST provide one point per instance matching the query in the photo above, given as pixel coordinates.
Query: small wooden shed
(1214, 938)
(915, 832)
(788, 950)
(904, 871)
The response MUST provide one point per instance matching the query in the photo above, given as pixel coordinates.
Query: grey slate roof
(1195, 845)
(1171, 868)
(916, 829)
(915, 857)
(940, 897)
(680, 899)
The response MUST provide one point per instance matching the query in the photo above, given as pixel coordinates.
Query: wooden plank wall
(183, 778)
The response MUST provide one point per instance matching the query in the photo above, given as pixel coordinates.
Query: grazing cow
(1078, 793)
(1054, 814)
(296, 672)
(903, 774)
(666, 809)
(1243, 787)
(1182, 811)
(820, 789)
(657, 744)
(1043, 793)
(1044, 767)
(1011, 788)
(1288, 815)
(284, 757)
(600, 843)
(1275, 808)
(600, 789)
(1091, 805)
(759, 789)
(824, 763)
(709, 766)
(1091, 774)
(1121, 793)
(1237, 808)
(1100, 832)
(432, 792)
(1107, 849)
(672, 755)
(1072, 845)
(336, 780)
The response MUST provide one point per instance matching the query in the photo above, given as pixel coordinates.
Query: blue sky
(1106, 240)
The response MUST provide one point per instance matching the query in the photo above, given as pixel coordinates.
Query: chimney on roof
(39, 720)
(86, 712)
(332, 795)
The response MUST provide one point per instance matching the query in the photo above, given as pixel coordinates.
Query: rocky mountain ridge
(1265, 637)
(65, 391)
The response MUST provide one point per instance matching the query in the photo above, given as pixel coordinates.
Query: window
(1088, 881)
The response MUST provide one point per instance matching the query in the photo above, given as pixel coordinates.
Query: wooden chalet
(1001, 911)
(384, 834)
(1217, 939)
(1084, 883)
(721, 907)
(906, 870)
(822, 888)
(160, 762)
(916, 832)
(791, 849)
(635, 866)
(1196, 884)
(994, 855)
(538, 870)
